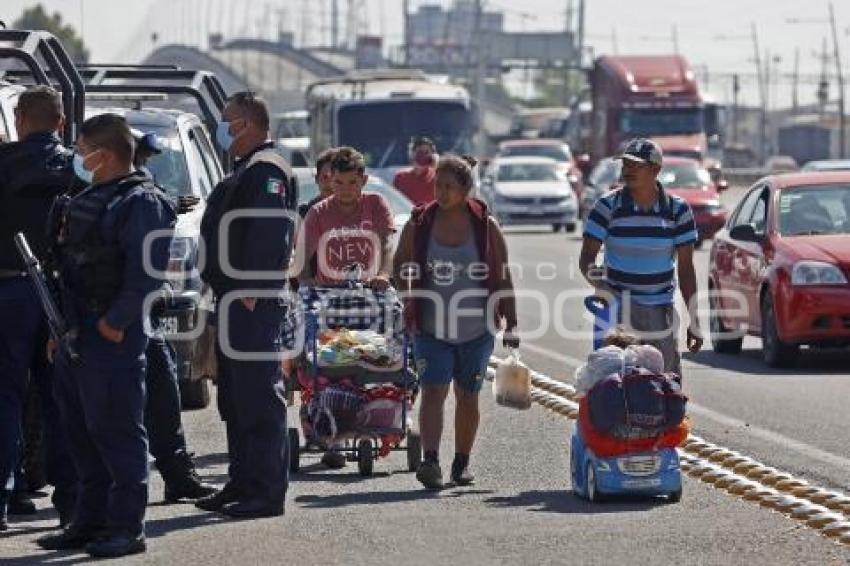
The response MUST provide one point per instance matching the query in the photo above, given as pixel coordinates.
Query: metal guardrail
(46, 62)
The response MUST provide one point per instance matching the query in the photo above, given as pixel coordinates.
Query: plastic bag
(600, 364)
(204, 361)
(512, 387)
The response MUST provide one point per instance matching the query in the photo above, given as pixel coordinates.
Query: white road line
(761, 433)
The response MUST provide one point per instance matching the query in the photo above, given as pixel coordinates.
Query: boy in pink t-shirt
(349, 232)
(349, 235)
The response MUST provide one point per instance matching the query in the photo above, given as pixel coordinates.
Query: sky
(713, 34)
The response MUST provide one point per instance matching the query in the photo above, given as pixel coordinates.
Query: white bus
(378, 112)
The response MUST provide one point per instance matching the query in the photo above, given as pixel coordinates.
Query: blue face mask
(84, 174)
(223, 135)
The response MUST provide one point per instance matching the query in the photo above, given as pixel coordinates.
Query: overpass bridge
(281, 73)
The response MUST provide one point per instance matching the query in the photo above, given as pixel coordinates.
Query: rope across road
(821, 509)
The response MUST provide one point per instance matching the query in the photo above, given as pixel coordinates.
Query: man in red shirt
(417, 183)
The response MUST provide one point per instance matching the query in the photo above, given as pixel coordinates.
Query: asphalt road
(522, 510)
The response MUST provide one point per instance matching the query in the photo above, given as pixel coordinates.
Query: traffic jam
(479, 293)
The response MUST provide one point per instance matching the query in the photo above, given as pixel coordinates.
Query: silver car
(524, 191)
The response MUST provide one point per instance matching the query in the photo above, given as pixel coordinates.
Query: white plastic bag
(512, 386)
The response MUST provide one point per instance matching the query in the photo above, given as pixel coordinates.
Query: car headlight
(816, 273)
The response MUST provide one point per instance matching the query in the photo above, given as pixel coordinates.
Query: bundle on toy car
(631, 418)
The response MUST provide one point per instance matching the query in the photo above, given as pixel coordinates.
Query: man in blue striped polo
(648, 237)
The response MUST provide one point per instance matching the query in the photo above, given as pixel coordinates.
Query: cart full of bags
(354, 374)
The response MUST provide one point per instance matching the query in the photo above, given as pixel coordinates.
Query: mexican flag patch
(274, 186)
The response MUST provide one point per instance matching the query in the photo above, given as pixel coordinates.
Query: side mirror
(722, 185)
(744, 233)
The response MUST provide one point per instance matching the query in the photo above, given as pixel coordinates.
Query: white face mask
(84, 174)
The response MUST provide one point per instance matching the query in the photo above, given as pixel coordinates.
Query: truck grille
(639, 465)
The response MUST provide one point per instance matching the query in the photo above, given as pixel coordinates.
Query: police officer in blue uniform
(101, 246)
(33, 171)
(162, 410)
(251, 396)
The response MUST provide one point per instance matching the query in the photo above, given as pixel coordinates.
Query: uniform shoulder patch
(275, 186)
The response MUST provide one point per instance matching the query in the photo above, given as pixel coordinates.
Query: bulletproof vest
(33, 174)
(91, 267)
(225, 198)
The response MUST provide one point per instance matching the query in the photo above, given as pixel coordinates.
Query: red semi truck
(648, 96)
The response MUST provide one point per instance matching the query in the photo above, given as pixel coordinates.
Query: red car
(688, 179)
(780, 267)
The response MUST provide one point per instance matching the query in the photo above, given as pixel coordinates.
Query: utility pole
(840, 76)
(675, 36)
(796, 80)
(479, 72)
(406, 8)
(762, 94)
(580, 39)
(334, 24)
(736, 90)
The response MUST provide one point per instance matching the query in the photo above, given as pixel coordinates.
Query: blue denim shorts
(439, 362)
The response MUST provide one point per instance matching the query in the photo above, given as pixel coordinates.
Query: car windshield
(382, 131)
(528, 172)
(399, 204)
(829, 165)
(560, 153)
(664, 122)
(169, 168)
(807, 211)
(684, 176)
(293, 127)
(606, 173)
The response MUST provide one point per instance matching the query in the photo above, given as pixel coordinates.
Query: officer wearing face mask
(33, 171)
(249, 223)
(112, 243)
(417, 182)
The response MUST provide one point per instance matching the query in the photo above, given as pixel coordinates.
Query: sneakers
(333, 460)
(460, 470)
(430, 475)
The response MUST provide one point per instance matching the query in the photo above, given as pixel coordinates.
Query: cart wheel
(414, 451)
(591, 489)
(365, 457)
(294, 451)
(675, 496)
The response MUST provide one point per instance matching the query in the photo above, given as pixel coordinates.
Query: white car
(529, 191)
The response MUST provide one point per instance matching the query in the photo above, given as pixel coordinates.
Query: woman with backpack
(453, 256)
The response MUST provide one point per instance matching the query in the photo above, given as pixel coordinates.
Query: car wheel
(718, 329)
(591, 489)
(776, 353)
(194, 393)
(571, 227)
(674, 496)
(556, 228)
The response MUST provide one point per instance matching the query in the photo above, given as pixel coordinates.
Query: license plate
(642, 484)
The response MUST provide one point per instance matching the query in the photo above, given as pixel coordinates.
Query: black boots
(182, 480)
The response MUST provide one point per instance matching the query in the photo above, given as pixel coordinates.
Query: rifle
(59, 330)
